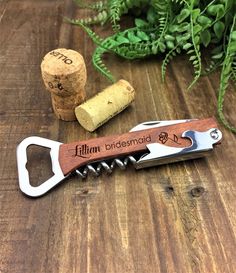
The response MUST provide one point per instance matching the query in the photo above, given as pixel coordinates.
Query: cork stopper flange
(64, 75)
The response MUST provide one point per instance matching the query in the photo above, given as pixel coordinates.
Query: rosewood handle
(77, 154)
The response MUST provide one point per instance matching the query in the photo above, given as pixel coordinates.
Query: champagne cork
(64, 75)
(105, 105)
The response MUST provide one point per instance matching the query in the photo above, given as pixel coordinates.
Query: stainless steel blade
(158, 123)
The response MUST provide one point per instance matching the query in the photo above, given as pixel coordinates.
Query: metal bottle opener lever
(148, 144)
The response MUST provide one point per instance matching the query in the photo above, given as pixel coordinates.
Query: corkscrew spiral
(104, 166)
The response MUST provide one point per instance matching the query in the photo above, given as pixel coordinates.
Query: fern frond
(158, 44)
(226, 73)
(115, 13)
(169, 56)
(131, 44)
(100, 18)
(195, 50)
(99, 65)
(134, 35)
(97, 6)
(134, 51)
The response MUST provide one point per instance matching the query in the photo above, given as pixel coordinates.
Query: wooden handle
(77, 154)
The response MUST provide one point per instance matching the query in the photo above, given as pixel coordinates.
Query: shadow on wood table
(173, 218)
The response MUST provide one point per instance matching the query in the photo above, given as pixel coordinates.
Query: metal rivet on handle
(214, 134)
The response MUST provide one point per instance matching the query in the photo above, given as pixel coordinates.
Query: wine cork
(64, 75)
(105, 105)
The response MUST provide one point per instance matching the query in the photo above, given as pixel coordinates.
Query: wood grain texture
(174, 218)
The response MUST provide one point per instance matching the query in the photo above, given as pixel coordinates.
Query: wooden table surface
(173, 218)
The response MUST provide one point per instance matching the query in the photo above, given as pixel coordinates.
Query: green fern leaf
(97, 6)
(115, 13)
(169, 56)
(99, 65)
(225, 76)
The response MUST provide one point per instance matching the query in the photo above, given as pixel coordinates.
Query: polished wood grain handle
(77, 154)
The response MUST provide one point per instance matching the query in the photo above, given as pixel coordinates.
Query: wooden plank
(172, 218)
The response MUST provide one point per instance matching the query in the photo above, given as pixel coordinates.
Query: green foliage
(97, 6)
(169, 27)
(228, 63)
